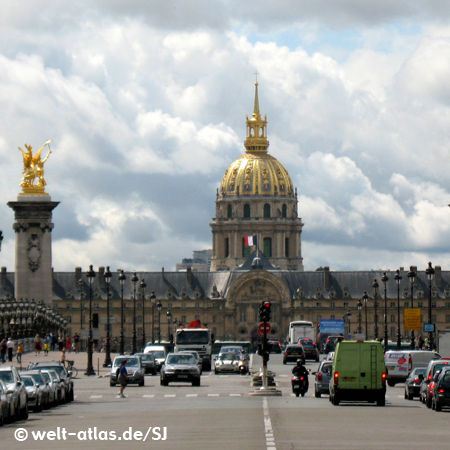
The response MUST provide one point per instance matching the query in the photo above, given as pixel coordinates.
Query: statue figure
(33, 167)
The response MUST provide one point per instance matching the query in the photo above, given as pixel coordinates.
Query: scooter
(299, 386)
(243, 366)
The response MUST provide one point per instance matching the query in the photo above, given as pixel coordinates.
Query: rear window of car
(294, 349)
(437, 367)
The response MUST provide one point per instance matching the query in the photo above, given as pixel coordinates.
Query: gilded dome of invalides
(256, 172)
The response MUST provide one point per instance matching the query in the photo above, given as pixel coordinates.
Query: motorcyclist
(300, 370)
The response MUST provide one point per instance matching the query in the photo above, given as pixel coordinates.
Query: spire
(256, 140)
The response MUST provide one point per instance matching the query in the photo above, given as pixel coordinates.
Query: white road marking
(213, 395)
(191, 395)
(270, 440)
(96, 396)
(170, 395)
(235, 395)
(148, 396)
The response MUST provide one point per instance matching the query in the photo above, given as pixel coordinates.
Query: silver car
(7, 411)
(135, 371)
(180, 367)
(34, 393)
(227, 363)
(60, 387)
(43, 385)
(14, 383)
(322, 379)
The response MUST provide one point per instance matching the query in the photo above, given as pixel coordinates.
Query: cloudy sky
(146, 105)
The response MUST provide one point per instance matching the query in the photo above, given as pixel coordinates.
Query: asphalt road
(220, 414)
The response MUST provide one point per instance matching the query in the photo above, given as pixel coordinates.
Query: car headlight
(236, 363)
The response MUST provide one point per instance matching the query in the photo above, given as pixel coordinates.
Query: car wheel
(428, 402)
(196, 382)
(317, 394)
(164, 382)
(112, 383)
(284, 362)
(410, 396)
(154, 372)
(17, 412)
(437, 406)
(24, 412)
(38, 407)
(2, 421)
(381, 400)
(335, 400)
(142, 382)
(391, 383)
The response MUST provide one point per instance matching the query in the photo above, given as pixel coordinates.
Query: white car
(227, 363)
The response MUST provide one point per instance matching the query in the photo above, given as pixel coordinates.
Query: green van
(359, 373)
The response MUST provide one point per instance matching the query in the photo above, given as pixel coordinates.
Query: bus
(301, 329)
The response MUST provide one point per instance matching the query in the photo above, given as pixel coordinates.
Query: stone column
(33, 266)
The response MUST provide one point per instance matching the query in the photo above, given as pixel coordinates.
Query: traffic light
(264, 311)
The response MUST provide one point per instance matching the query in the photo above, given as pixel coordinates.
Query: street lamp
(169, 319)
(365, 297)
(134, 280)
(359, 306)
(412, 276)
(90, 369)
(142, 286)
(375, 304)
(348, 315)
(430, 276)
(107, 276)
(122, 279)
(398, 280)
(385, 279)
(152, 300)
(80, 284)
(158, 307)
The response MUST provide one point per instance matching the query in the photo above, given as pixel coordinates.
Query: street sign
(412, 319)
(261, 329)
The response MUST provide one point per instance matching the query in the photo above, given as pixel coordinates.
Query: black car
(441, 391)
(293, 352)
(413, 382)
(275, 345)
(310, 348)
(148, 362)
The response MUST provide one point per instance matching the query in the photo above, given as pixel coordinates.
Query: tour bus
(301, 329)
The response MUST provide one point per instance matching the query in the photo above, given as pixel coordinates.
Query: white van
(159, 352)
(400, 363)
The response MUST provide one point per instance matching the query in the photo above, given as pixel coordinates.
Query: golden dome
(256, 172)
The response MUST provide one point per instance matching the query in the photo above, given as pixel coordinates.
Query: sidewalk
(80, 361)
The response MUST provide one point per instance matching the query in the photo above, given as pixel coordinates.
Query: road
(220, 414)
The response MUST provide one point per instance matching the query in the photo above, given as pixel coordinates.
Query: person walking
(19, 353)
(37, 345)
(10, 349)
(60, 343)
(69, 344)
(3, 350)
(122, 376)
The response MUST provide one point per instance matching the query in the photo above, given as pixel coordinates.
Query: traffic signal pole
(265, 357)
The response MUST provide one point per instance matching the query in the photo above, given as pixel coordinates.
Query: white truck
(198, 339)
(301, 329)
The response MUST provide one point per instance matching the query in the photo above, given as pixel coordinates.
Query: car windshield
(438, 367)
(131, 362)
(231, 349)
(229, 356)
(46, 376)
(53, 375)
(28, 381)
(181, 359)
(294, 349)
(147, 357)
(6, 376)
(37, 377)
(158, 354)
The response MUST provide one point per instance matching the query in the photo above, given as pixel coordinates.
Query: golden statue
(33, 167)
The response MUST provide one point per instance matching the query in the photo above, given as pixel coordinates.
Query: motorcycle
(299, 386)
(243, 366)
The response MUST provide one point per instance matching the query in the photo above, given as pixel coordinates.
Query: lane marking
(213, 395)
(235, 395)
(148, 396)
(96, 396)
(268, 431)
(191, 395)
(170, 395)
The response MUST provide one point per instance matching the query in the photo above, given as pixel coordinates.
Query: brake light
(336, 378)
(429, 376)
(383, 379)
(319, 376)
(416, 381)
(301, 378)
(441, 391)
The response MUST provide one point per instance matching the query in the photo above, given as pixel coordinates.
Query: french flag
(250, 240)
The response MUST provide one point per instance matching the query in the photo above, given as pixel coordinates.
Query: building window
(420, 305)
(392, 318)
(267, 247)
(183, 320)
(197, 305)
(447, 318)
(266, 211)
(243, 314)
(332, 305)
(197, 317)
(345, 304)
(246, 211)
(183, 305)
(227, 247)
(286, 247)
(318, 305)
(229, 211)
(406, 305)
(393, 305)
(284, 211)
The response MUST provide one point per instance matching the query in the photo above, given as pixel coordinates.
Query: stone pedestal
(33, 266)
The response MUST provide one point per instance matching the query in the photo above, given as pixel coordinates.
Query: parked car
(180, 367)
(293, 352)
(310, 348)
(441, 392)
(43, 386)
(10, 376)
(7, 407)
(413, 383)
(148, 362)
(34, 393)
(276, 345)
(62, 372)
(61, 392)
(53, 386)
(322, 378)
(134, 367)
(227, 363)
(427, 387)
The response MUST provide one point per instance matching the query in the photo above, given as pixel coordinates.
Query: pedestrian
(46, 345)
(3, 350)
(60, 343)
(19, 353)
(10, 349)
(37, 345)
(122, 377)
(76, 341)
(426, 344)
(420, 342)
(63, 359)
(69, 344)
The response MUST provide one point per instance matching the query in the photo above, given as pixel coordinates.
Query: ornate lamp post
(142, 287)
(412, 276)
(375, 304)
(80, 284)
(122, 279)
(365, 297)
(430, 276)
(359, 306)
(158, 307)
(385, 279)
(169, 319)
(398, 280)
(134, 280)
(348, 315)
(107, 276)
(152, 300)
(90, 369)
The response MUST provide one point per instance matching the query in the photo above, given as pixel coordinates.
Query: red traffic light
(267, 304)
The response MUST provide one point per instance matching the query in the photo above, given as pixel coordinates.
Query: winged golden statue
(33, 168)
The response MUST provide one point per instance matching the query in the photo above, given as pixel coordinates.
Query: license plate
(296, 386)
(349, 379)
(182, 376)
(294, 353)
